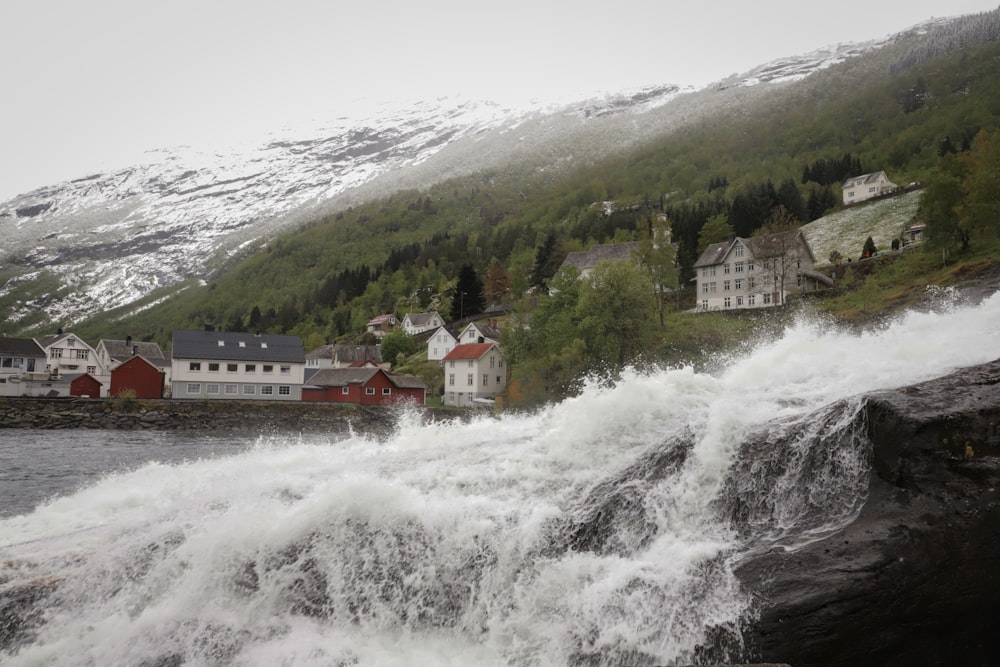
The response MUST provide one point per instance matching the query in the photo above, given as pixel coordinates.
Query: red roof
(468, 351)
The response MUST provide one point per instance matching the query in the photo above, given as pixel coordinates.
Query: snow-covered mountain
(112, 240)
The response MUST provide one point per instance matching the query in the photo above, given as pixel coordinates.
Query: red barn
(84, 385)
(137, 375)
(364, 386)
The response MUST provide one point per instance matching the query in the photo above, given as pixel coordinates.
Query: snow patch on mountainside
(112, 240)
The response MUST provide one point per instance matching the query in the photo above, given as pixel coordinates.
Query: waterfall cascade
(600, 531)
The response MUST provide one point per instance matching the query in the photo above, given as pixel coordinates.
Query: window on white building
(194, 388)
(212, 388)
(232, 368)
(213, 367)
(470, 379)
(725, 302)
(232, 389)
(267, 390)
(194, 366)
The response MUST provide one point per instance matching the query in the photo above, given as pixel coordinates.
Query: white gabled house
(866, 186)
(68, 354)
(441, 342)
(231, 365)
(478, 332)
(756, 272)
(417, 323)
(474, 374)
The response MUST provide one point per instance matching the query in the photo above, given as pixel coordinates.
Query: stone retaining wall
(173, 414)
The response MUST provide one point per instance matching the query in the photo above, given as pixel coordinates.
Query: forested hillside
(898, 109)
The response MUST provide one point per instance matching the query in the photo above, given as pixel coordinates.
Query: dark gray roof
(759, 247)
(420, 319)
(121, 350)
(233, 346)
(588, 259)
(20, 347)
(713, 254)
(341, 377)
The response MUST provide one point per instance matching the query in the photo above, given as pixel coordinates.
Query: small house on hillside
(364, 386)
(474, 374)
(138, 377)
(479, 332)
(418, 323)
(380, 325)
(866, 186)
(440, 343)
(756, 272)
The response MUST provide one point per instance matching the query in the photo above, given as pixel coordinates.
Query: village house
(474, 374)
(586, 260)
(22, 368)
(137, 377)
(112, 353)
(867, 186)
(440, 343)
(380, 325)
(479, 332)
(341, 355)
(756, 272)
(230, 365)
(68, 354)
(364, 386)
(81, 385)
(418, 323)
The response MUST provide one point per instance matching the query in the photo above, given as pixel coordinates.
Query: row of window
(369, 391)
(737, 284)
(213, 367)
(234, 389)
(750, 300)
(470, 379)
(57, 353)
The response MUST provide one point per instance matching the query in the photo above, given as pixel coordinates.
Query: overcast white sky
(89, 85)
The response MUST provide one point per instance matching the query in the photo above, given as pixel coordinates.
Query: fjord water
(599, 531)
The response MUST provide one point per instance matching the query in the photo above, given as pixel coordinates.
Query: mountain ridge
(107, 241)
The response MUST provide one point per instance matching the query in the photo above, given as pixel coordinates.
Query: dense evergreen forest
(900, 109)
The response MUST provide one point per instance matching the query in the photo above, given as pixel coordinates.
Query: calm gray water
(36, 466)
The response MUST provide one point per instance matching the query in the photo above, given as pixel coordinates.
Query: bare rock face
(915, 578)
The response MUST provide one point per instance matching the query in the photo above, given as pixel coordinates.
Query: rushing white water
(587, 533)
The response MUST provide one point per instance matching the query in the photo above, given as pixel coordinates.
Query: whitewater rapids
(485, 543)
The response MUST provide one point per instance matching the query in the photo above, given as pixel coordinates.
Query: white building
(755, 272)
(68, 354)
(22, 368)
(230, 365)
(474, 374)
(440, 344)
(859, 188)
(417, 323)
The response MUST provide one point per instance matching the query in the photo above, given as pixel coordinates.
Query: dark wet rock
(914, 579)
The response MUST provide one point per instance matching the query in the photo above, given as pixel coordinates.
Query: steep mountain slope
(109, 241)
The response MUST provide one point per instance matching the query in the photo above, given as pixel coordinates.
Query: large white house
(68, 354)
(231, 365)
(474, 374)
(866, 186)
(755, 272)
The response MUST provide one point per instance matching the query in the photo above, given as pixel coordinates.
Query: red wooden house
(84, 385)
(364, 386)
(137, 375)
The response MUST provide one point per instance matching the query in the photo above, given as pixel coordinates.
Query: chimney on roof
(135, 350)
(128, 341)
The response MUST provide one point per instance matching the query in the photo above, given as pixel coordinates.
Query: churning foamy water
(595, 532)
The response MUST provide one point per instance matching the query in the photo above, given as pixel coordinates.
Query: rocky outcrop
(915, 578)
